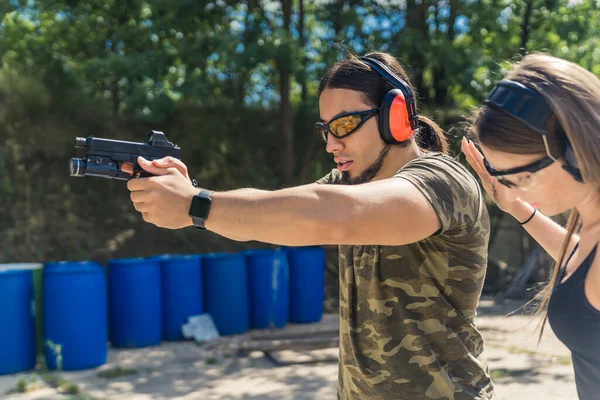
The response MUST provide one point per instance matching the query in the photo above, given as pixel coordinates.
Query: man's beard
(368, 173)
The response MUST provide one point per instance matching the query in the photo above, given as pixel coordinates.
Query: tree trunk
(310, 148)
(525, 27)
(302, 40)
(248, 37)
(337, 23)
(440, 73)
(417, 30)
(452, 19)
(287, 155)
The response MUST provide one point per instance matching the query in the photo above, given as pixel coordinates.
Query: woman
(539, 132)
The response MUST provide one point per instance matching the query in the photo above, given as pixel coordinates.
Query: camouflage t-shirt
(407, 312)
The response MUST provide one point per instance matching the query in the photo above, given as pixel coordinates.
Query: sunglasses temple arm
(548, 150)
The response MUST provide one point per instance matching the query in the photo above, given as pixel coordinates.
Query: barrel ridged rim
(220, 256)
(16, 268)
(72, 267)
(263, 251)
(124, 262)
(165, 258)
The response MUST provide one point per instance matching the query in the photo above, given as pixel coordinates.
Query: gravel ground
(521, 370)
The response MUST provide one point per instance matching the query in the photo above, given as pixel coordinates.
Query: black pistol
(105, 157)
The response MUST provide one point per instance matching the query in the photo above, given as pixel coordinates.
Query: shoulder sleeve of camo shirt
(452, 191)
(332, 178)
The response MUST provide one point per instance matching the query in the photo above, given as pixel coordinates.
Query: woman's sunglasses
(345, 124)
(523, 182)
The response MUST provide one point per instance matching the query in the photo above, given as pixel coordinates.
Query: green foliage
(208, 73)
(36, 381)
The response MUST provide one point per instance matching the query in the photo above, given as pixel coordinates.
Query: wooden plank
(296, 344)
(288, 357)
(329, 325)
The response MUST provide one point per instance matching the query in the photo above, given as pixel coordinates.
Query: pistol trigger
(137, 171)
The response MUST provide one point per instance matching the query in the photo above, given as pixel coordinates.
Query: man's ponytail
(430, 136)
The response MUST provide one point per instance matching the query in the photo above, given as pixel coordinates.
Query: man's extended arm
(386, 212)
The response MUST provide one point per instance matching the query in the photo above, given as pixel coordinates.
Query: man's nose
(333, 143)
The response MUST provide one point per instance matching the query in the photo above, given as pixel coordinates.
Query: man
(410, 221)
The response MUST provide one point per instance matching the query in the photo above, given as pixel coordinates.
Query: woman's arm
(544, 230)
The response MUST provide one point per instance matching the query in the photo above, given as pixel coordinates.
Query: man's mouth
(344, 165)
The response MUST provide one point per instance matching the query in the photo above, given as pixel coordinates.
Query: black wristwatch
(200, 208)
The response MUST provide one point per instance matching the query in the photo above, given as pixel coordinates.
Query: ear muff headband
(532, 109)
(398, 116)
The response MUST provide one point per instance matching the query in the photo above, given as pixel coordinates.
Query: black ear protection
(398, 116)
(531, 108)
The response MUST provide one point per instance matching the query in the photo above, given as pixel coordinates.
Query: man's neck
(397, 158)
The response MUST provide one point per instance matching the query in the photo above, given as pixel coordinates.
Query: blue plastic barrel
(269, 278)
(307, 283)
(135, 302)
(226, 292)
(17, 321)
(74, 315)
(182, 292)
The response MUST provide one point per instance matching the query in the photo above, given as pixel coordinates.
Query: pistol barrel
(81, 142)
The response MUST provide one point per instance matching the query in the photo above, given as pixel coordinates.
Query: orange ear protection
(398, 116)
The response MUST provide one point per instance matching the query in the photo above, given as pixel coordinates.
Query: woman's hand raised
(498, 192)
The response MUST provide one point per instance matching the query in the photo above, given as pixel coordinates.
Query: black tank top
(576, 323)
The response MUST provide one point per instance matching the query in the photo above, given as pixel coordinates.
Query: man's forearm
(295, 216)
(544, 230)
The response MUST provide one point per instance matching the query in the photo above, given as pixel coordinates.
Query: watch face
(200, 207)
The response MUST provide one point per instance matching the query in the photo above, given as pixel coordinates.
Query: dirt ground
(184, 370)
